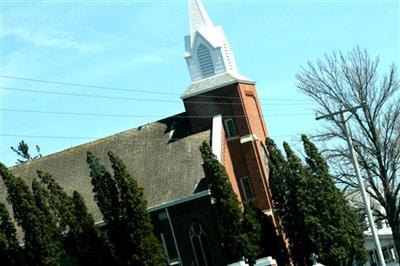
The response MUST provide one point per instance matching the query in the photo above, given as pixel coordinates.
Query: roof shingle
(167, 165)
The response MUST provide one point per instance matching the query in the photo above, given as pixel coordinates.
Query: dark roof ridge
(92, 142)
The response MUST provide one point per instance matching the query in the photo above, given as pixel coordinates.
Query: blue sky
(138, 45)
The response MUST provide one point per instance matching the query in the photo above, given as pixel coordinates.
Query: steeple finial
(198, 16)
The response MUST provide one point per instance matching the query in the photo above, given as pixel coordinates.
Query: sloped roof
(167, 165)
(214, 82)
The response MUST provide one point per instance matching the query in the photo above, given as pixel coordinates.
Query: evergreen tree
(271, 243)
(314, 213)
(279, 175)
(339, 238)
(353, 79)
(50, 232)
(229, 214)
(10, 252)
(105, 190)
(128, 224)
(59, 202)
(84, 243)
(23, 151)
(288, 180)
(147, 250)
(42, 244)
(251, 233)
(106, 195)
(298, 208)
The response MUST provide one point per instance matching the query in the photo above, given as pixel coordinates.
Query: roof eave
(244, 81)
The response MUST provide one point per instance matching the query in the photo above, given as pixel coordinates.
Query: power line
(87, 86)
(132, 98)
(108, 97)
(73, 84)
(45, 137)
(99, 138)
(132, 115)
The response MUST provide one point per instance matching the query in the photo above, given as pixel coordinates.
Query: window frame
(265, 156)
(193, 234)
(245, 190)
(230, 134)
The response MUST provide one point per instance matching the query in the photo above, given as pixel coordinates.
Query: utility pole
(341, 112)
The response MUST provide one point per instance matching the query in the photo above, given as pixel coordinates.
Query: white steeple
(198, 17)
(207, 51)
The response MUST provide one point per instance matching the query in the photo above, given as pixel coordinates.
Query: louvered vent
(205, 61)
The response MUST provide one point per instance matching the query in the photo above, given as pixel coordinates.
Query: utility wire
(109, 97)
(133, 115)
(73, 84)
(46, 137)
(100, 138)
(133, 99)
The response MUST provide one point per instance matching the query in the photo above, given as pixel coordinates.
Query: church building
(221, 107)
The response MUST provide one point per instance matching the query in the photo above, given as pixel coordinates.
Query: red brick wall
(253, 110)
(227, 161)
(238, 101)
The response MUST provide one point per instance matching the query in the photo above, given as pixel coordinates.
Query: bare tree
(346, 80)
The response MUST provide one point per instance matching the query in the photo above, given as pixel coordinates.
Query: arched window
(205, 61)
(200, 245)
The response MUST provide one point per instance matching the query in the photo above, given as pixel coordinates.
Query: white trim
(164, 244)
(233, 138)
(198, 17)
(217, 86)
(266, 261)
(170, 203)
(173, 236)
(100, 223)
(179, 201)
(268, 213)
(248, 138)
(216, 138)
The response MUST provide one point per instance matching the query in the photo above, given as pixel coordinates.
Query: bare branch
(347, 80)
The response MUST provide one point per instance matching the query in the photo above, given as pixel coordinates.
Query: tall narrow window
(205, 61)
(200, 245)
(265, 155)
(230, 128)
(246, 186)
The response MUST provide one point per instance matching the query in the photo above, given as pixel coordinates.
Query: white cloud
(50, 38)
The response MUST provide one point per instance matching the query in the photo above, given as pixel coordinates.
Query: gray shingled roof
(214, 82)
(167, 168)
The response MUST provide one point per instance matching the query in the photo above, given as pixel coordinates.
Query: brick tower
(221, 99)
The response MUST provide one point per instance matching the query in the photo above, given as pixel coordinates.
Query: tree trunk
(395, 226)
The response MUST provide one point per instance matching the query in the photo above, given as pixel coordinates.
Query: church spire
(207, 50)
(198, 17)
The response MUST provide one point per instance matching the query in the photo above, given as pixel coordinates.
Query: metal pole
(363, 192)
(359, 179)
